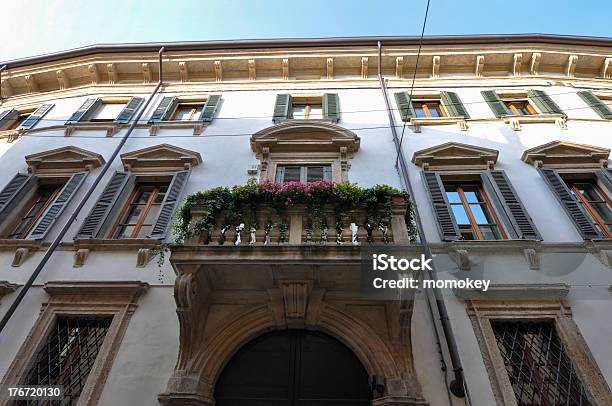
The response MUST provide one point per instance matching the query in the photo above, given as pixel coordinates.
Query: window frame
(10, 227)
(194, 115)
(304, 172)
(425, 102)
(528, 105)
(596, 217)
(103, 102)
(308, 102)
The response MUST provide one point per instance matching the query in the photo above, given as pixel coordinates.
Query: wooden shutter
(331, 107)
(544, 102)
(164, 109)
(15, 188)
(7, 116)
(55, 209)
(605, 176)
(596, 104)
(169, 205)
(35, 117)
(404, 105)
(449, 231)
(99, 214)
(453, 105)
(209, 109)
(495, 103)
(512, 205)
(85, 111)
(327, 173)
(129, 110)
(282, 107)
(574, 209)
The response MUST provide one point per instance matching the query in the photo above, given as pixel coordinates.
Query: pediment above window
(454, 155)
(565, 154)
(160, 158)
(63, 161)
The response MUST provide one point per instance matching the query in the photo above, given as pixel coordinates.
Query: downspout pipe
(457, 385)
(56, 242)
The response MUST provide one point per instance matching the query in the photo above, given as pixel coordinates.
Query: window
(428, 108)
(68, 354)
(536, 361)
(33, 209)
(107, 112)
(596, 203)
(187, 112)
(141, 211)
(519, 107)
(307, 110)
(21, 118)
(295, 173)
(472, 211)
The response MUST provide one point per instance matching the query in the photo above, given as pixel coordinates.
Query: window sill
(198, 126)
(110, 128)
(516, 121)
(416, 123)
(23, 248)
(305, 121)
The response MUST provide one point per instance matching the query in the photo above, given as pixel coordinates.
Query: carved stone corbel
(153, 129)
(435, 67)
(21, 254)
(534, 67)
(399, 67)
(112, 130)
(570, 67)
(31, 83)
(364, 67)
(285, 66)
(80, 256)
(605, 256)
(606, 68)
(183, 71)
(532, 257)
(479, 65)
(94, 75)
(490, 165)
(463, 125)
(146, 73)
(329, 64)
(562, 123)
(68, 130)
(218, 71)
(295, 299)
(198, 128)
(517, 64)
(252, 69)
(415, 127)
(461, 258)
(62, 79)
(515, 124)
(113, 76)
(7, 88)
(143, 257)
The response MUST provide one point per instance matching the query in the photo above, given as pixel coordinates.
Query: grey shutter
(209, 109)
(280, 174)
(512, 205)
(99, 214)
(14, 189)
(129, 110)
(574, 209)
(453, 105)
(7, 116)
(55, 209)
(544, 102)
(85, 111)
(495, 103)
(169, 205)
(331, 107)
(164, 109)
(327, 173)
(282, 107)
(404, 105)
(605, 176)
(596, 104)
(449, 231)
(35, 117)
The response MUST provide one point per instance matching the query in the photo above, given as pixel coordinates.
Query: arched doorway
(293, 368)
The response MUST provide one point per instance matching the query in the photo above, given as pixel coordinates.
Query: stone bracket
(461, 258)
(605, 256)
(21, 254)
(533, 258)
(143, 257)
(80, 256)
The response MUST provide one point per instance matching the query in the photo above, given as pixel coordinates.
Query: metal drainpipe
(457, 385)
(77, 210)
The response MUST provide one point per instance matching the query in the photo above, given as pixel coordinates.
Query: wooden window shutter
(282, 107)
(100, 213)
(453, 105)
(7, 116)
(164, 109)
(497, 106)
(331, 107)
(56, 208)
(209, 109)
(544, 102)
(9, 196)
(327, 173)
(596, 104)
(129, 110)
(605, 176)
(404, 105)
(449, 231)
(169, 205)
(36, 116)
(85, 111)
(574, 209)
(515, 212)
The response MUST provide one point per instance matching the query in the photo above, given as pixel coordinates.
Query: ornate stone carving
(162, 157)
(462, 259)
(31, 83)
(143, 257)
(285, 67)
(218, 71)
(570, 67)
(534, 67)
(435, 67)
(146, 73)
(479, 65)
(606, 68)
(21, 254)
(559, 154)
(252, 69)
(399, 67)
(329, 64)
(94, 74)
(64, 160)
(517, 64)
(532, 257)
(455, 155)
(364, 67)
(80, 256)
(113, 75)
(183, 71)
(62, 79)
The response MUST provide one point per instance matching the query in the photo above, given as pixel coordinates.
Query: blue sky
(43, 26)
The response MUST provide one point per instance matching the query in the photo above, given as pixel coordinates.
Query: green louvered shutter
(404, 105)
(596, 104)
(99, 214)
(9, 196)
(129, 110)
(453, 105)
(164, 109)
(169, 205)
(449, 231)
(35, 117)
(282, 107)
(209, 109)
(544, 102)
(495, 103)
(85, 111)
(7, 116)
(573, 208)
(57, 206)
(519, 219)
(331, 107)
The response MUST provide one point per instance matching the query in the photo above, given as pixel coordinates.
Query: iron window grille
(539, 368)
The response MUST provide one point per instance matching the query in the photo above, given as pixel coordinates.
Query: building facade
(501, 144)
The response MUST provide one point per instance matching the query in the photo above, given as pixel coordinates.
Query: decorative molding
(364, 67)
(113, 75)
(31, 83)
(517, 291)
(455, 156)
(94, 74)
(160, 158)
(285, 66)
(6, 88)
(399, 67)
(329, 64)
(80, 256)
(565, 154)
(295, 298)
(435, 66)
(183, 71)
(218, 71)
(7, 287)
(479, 65)
(517, 64)
(21, 254)
(606, 68)
(146, 73)
(532, 257)
(197, 126)
(109, 128)
(252, 69)
(534, 66)
(570, 67)
(63, 161)
(62, 79)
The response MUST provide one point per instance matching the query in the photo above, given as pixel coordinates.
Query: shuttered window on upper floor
(440, 104)
(296, 107)
(520, 103)
(303, 173)
(602, 105)
(107, 110)
(176, 108)
(23, 119)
